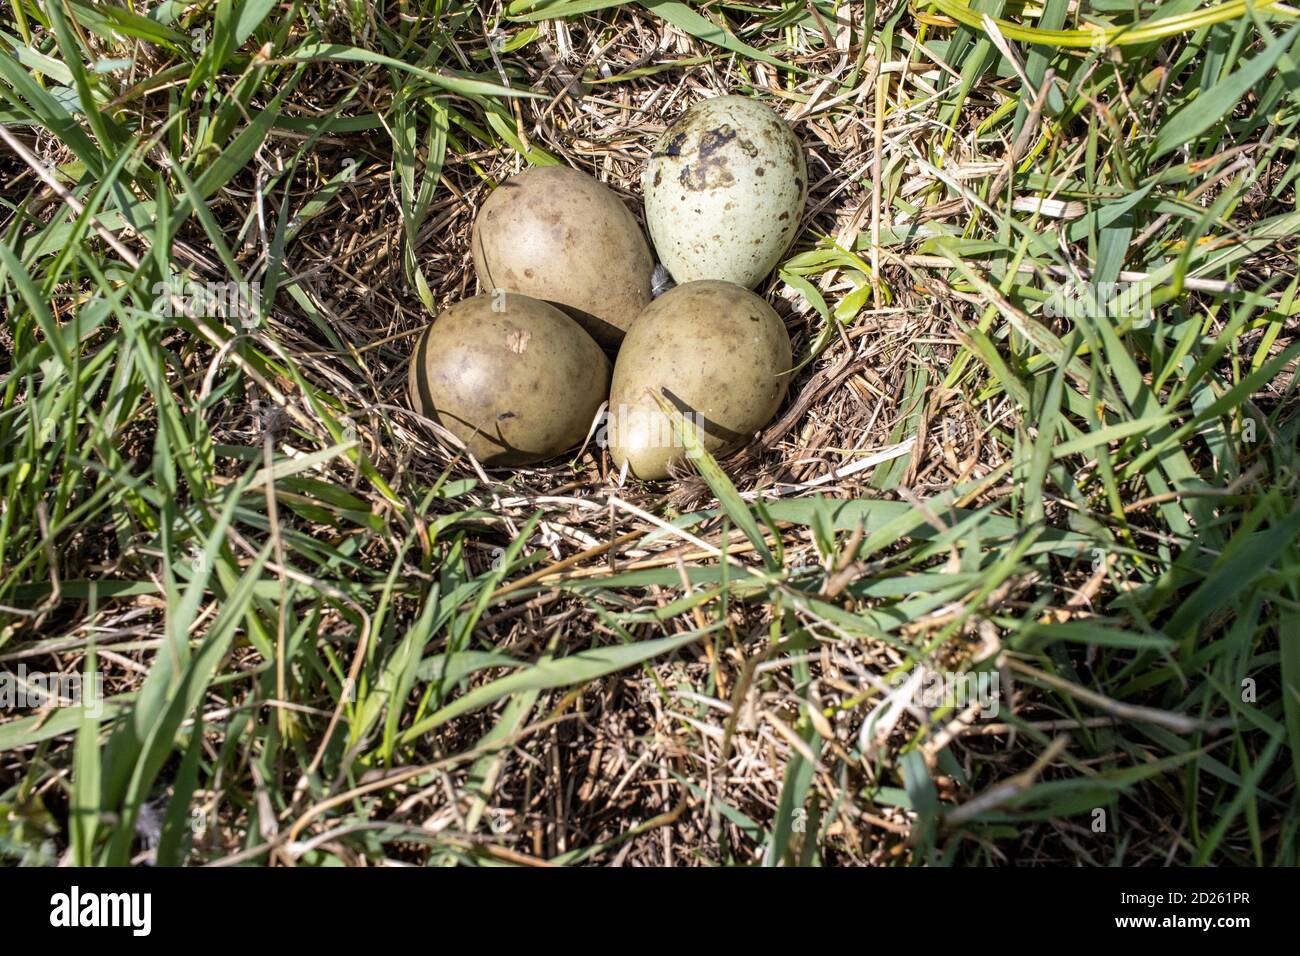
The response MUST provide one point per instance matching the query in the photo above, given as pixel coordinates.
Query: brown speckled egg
(514, 378)
(717, 352)
(559, 235)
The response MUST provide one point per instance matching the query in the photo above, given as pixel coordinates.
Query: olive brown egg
(724, 191)
(514, 378)
(557, 234)
(715, 351)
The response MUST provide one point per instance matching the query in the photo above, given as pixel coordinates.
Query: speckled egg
(724, 191)
(513, 377)
(559, 235)
(717, 352)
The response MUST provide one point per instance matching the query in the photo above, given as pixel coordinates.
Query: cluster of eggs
(519, 371)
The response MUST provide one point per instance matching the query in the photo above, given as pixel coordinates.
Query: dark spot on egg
(714, 139)
(710, 170)
(673, 147)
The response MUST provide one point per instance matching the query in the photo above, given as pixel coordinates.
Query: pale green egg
(724, 192)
